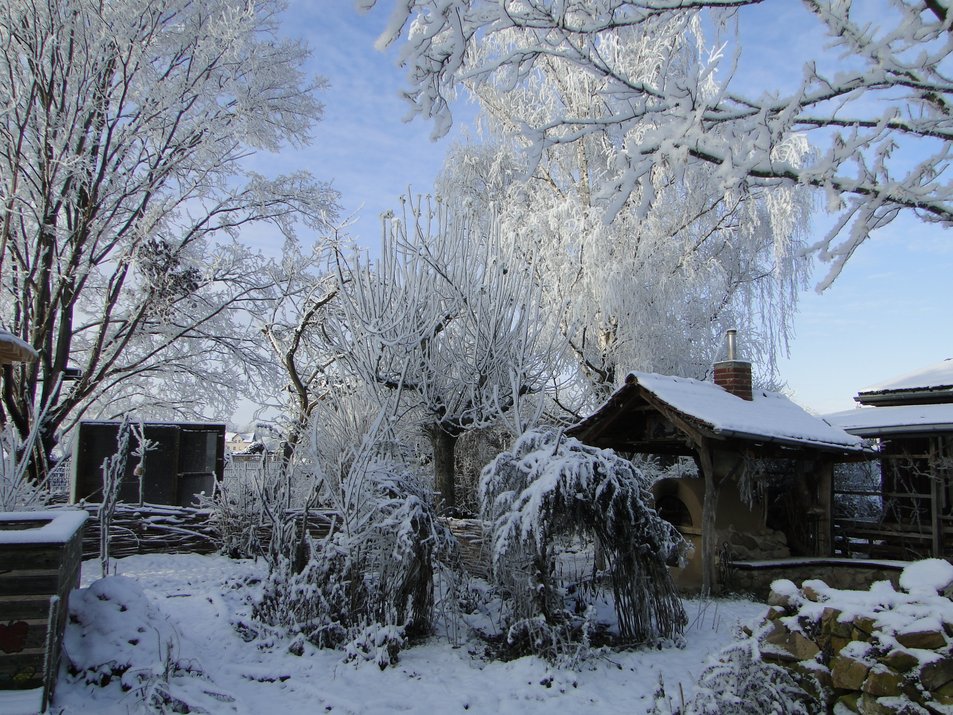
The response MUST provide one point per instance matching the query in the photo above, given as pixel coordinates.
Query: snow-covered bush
(18, 491)
(246, 501)
(236, 512)
(740, 683)
(548, 489)
(368, 585)
(257, 505)
(116, 634)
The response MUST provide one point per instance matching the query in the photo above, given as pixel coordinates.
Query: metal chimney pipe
(730, 335)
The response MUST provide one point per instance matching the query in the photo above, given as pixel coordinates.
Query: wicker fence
(158, 528)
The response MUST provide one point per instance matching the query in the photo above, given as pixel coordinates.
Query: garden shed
(186, 460)
(764, 462)
(911, 419)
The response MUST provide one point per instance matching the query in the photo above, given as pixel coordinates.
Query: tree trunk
(444, 473)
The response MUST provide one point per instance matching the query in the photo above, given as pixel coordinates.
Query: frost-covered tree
(123, 129)
(648, 278)
(301, 303)
(448, 324)
(875, 104)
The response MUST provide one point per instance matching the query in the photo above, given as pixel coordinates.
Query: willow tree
(121, 140)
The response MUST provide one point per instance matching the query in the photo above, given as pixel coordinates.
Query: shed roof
(933, 383)
(895, 420)
(768, 419)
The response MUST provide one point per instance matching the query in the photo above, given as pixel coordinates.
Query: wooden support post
(706, 464)
(826, 493)
(938, 481)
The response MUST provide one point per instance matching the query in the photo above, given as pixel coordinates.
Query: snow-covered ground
(197, 596)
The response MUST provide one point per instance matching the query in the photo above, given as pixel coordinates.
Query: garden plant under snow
(549, 488)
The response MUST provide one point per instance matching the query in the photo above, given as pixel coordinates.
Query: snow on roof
(13, 349)
(897, 419)
(933, 377)
(40, 527)
(769, 416)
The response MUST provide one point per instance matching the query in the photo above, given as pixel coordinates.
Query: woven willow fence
(158, 528)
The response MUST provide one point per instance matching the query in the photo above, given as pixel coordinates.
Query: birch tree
(648, 279)
(122, 134)
(876, 107)
(449, 325)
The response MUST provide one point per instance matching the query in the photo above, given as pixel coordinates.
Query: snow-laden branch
(887, 99)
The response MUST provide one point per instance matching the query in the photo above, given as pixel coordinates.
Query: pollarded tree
(449, 325)
(121, 141)
(876, 107)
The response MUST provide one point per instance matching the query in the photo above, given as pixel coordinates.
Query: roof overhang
(890, 398)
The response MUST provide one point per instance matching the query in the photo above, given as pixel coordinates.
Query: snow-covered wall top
(42, 527)
(933, 377)
(897, 419)
(769, 416)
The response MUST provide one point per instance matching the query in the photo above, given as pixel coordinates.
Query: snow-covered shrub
(241, 505)
(116, 634)
(235, 511)
(257, 505)
(550, 488)
(740, 683)
(368, 585)
(377, 643)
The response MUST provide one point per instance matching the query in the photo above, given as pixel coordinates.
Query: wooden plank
(27, 583)
(23, 608)
(15, 556)
(936, 496)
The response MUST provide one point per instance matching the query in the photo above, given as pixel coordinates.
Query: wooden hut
(910, 418)
(735, 435)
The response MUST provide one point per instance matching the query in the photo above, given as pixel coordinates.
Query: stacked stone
(863, 661)
(757, 545)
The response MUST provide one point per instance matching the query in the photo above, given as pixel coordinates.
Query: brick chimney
(732, 374)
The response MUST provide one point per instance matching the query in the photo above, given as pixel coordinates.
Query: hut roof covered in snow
(654, 413)
(931, 384)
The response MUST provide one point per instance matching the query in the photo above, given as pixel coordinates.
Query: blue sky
(887, 314)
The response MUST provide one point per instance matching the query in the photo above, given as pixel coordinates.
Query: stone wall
(755, 578)
(881, 651)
